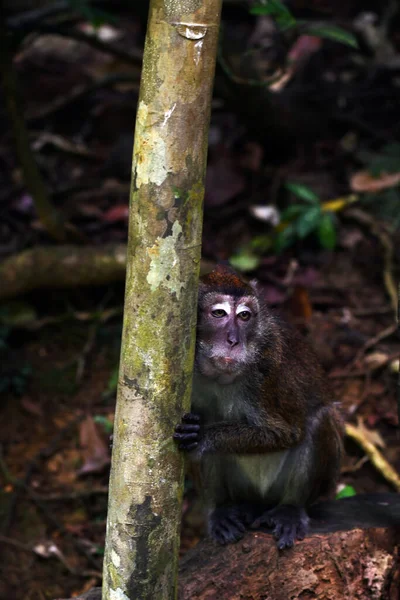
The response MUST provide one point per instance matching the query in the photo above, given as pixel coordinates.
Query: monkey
(264, 433)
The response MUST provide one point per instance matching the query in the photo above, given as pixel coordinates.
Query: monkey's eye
(218, 313)
(244, 315)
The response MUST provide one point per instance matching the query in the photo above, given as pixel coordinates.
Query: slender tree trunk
(163, 257)
(398, 377)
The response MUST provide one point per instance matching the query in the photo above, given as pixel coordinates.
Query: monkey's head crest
(225, 280)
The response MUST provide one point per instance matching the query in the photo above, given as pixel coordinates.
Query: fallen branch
(65, 266)
(61, 267)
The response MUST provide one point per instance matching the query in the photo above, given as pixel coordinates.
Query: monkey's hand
(288, 524)
(187, 433)
(227, 524)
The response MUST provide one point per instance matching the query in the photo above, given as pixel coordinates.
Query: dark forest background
(302, 193)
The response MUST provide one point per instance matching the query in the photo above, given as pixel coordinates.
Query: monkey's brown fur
(265, 430)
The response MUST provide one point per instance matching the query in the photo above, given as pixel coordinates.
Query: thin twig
(384, 238)
(29, 18)
(375, 456)
(398, 378)
(134, 58)
(78, 93)
(31, 550)
(50, 518)
(387, 332)
(44, 453)
(16, 544)
(361, 373)
(47, 213)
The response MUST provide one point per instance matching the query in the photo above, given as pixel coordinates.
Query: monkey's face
(228, 334)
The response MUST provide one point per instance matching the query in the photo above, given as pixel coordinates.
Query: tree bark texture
(163, 259)
(357, 564)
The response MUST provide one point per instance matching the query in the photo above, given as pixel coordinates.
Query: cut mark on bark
(191, 31)
(167, 115)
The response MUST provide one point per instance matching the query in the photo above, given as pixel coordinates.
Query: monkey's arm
(236, 438)
(239, 438)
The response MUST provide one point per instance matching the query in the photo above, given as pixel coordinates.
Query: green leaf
(107, 425)
(332, 32)
(285, 238)
(392, 149)
(261, 243)
(307, 222)
(277, 10)
(17, 313)
(293, 211)
(327, 232)
(4, 333)
(346, 492)
(95, 16)
(245, 261)
(303, 192)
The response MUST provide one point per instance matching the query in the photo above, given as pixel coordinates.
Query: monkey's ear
(202, 286)
(255, 285)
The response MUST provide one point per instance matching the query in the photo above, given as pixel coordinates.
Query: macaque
(264, 429)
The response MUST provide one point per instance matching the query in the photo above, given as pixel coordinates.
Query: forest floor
(59, 350)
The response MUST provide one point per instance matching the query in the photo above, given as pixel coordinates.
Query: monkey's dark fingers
(224, 532)
(186, 428)
(285, 536)
(302, 527)
(190, 418)
(237, 523)
(185, 436)
(301, 531)
(188, 447)
(277, 532)
(226, 525)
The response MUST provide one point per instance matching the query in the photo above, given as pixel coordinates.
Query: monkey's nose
(232, 340)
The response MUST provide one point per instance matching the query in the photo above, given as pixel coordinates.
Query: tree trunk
(163, 257)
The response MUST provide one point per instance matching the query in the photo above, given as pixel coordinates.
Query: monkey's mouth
(227, 363)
